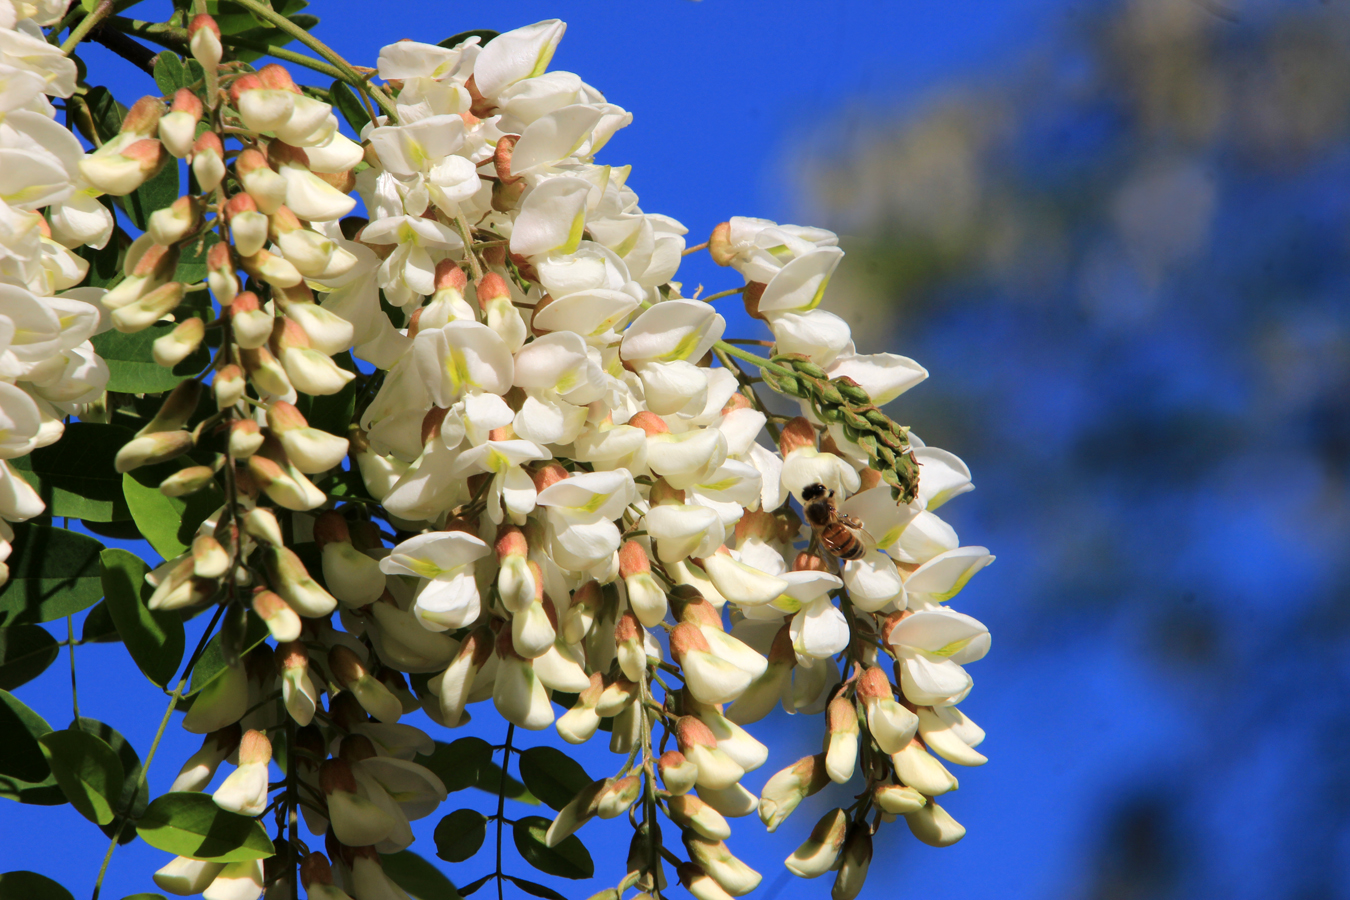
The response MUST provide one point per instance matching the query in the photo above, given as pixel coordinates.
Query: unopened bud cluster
(546, 486)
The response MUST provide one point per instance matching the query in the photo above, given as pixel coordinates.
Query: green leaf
(158, 191)
(192, 262)
(24, 773)
(25, 653)
(190, 824)
(538, 890)
(460, 835)
(567, 860)
(75, 476)
(212, 661)
(52, 573)
(106, 113)
(133, 370)
(98, 626)
(88, 771)
(168, 523)
(31, 886)
(475, 885)
(169, 72)
(418, 877)
(457, 764)
(490, 780)
(135, 794)
(154, 639)
(345, 101)
(484, 35)
(553, 776)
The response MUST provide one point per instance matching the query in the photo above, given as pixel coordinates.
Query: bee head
(813, 492)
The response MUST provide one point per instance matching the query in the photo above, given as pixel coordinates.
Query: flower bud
(818, 853)
(262, 108)
(579, 724)
(246, 438)
(892, 725)
(309, 449)
(710, 678)
(262, 524)
(790, 787)
(351, 674)
(209, 559)
(916, 768)
(308, 369)
(719, 245)
(297, 688)
(220, 277)
(328, 332)
(688, 811)
(841, 742)
(201, 766)
(713, 857)
(940, 738)
(149, 449)
(581, 614)
(356, 821)
(309, 196)
(281, 620)
(204, 41)
(208, 161)
(282, 482)
(532, 629)
(237, 881)
(764, 692)
(174, 222)
(454, 686)
(229, 386)
(177, 345)
(934, 826)
(178, 127)
(716, 769)
(187, 481)
(618, 795)
(856, 857)
(149, 309)
(266, 187)
(266, 371)
(899, 800)
(245, 790)
(699, 884)
(578, 811)
(294, 584)
(248, 227)
(183, 875)
(678, 774)
(628, 643)
(645, 596)
(251, 324)
(517, 692)
(120, 170)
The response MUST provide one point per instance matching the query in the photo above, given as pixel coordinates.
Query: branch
(138, 55)
(176, 39)
(87, 24)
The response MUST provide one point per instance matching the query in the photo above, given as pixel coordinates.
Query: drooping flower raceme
(480, 422)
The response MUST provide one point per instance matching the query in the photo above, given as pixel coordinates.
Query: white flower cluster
(578, 492)
(48, 368)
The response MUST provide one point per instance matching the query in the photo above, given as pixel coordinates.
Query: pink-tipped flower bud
(208, 160)
(266, 187)
(177, 128)
(229, 386)
(204, 41)
(719, 245)
(797, 434)
(177, 345)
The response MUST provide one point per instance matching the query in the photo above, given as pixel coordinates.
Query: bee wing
(857, 526)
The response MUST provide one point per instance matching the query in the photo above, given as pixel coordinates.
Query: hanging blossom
(558, 478)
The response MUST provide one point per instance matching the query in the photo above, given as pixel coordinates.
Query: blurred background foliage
(1124, 260)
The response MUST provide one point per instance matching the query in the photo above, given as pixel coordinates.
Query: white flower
(931, 646)
(449, 596)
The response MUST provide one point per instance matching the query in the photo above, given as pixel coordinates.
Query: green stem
(349, 74)
(718, 296)
(154, 745)
(724, 351)
(74, 694)
(78, 33)
(761, 362)
(176, 39)
(501, 804)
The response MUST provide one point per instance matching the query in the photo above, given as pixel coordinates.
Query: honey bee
(839, 533)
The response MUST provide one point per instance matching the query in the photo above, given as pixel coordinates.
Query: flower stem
(78, 33)
(74, 694)
(177, 39)
(501, 803)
